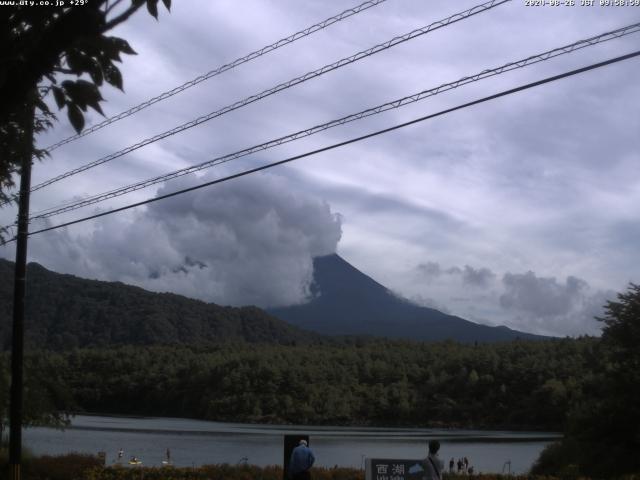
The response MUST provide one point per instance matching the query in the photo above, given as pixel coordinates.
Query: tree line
(370, 382)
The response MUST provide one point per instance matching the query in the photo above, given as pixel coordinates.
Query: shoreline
(367, 425)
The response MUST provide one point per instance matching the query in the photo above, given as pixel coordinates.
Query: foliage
(603, 429)
(207, 472)
(510, 385)
(63, 467)
(63, 51)
(47, 399)
(67, 312)
(249, 472)
(554, 459)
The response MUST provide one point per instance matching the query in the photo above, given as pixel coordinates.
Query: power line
(221, 69)
(303, 78)
(341, 121)
(346, 142)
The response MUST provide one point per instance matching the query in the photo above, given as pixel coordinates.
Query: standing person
(302, 459)
(432, 464)
(451, 464)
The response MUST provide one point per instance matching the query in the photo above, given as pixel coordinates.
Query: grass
(76, 466)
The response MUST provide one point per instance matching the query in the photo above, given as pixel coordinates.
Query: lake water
(195, 442)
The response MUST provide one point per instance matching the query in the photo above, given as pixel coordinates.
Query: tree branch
(120, 18)
(109, 8)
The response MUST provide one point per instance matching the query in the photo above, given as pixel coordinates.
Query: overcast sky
(521, 212)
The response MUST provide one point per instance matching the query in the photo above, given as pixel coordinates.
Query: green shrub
(214, 472)
(72, 466)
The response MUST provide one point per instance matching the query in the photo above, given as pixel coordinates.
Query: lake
(196, 442)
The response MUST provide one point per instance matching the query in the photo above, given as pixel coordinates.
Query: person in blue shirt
(302, 459)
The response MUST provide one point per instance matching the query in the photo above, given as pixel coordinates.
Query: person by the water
(432, 465)
(302, 459)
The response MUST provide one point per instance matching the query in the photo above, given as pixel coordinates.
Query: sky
(522, 211)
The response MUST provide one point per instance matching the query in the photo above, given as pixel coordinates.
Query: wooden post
(19, 290)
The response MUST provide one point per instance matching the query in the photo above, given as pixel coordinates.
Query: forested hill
(518, 384)
(64, 311)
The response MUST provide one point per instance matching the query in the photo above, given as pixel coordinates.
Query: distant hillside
(347, 302)
(64, 311)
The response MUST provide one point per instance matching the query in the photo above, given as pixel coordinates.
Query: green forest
(510, 385)
(67, 312)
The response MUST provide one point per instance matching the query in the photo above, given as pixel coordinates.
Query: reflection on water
(195, 442)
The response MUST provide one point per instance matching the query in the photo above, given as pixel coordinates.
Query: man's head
(434, 446)
(302, 442)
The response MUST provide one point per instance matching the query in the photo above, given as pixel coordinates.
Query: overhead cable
(221, 69)
(533, 59)
(282, 86)
(344, 143)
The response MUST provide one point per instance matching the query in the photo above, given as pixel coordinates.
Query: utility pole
(19, 290)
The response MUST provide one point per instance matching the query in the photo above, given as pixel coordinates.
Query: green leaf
(42, 106)
(95, 71)
(152, 6)
(75, 61)
(75, 117)
(88, 90)
(122, 45)
(58, 96)
(113, 76)
(97, 108)
(82, 93)
(111, 48)
(86, 93)
(93, 103)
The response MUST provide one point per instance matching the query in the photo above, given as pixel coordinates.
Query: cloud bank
(523, 301)
(248, 242)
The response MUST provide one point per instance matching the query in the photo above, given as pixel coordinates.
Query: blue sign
(393, 469)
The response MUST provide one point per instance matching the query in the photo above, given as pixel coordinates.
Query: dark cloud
(365, 202)
(541, 296)
(524, 301)
(481, 277)
(429, 270)
(247, 242)
(550, 306)
(477, 277)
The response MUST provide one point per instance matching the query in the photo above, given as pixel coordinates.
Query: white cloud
(250, 241)
(524, 301)
(551, 306)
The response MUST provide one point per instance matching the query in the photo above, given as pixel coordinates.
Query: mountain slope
(64, 311)
(347, 302)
